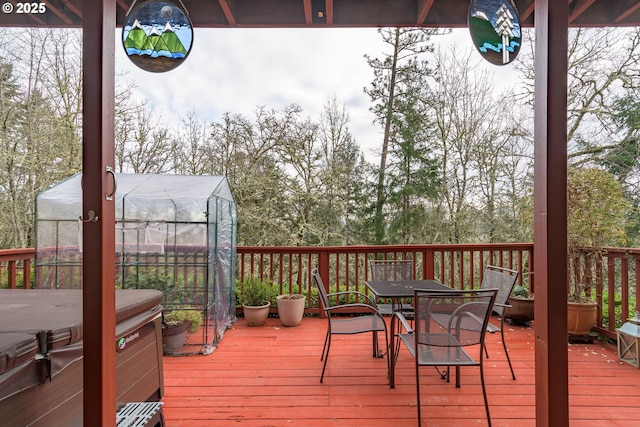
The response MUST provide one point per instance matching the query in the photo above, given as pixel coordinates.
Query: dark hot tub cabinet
(41, 354)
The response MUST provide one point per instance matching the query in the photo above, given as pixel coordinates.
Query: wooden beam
(123, 5)
(527, 11)
(308, 12)
(98, 272)
(73, 8)
(60, 14)
(579, 8)
(627, 12)
(550, 213)
(424, 6)
(228, 13)
(32, 16)
(329, 12)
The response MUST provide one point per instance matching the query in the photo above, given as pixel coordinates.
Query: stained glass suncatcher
(495, 30)
(157, 35)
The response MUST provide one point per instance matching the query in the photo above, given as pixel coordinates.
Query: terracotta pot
(291, 309)
(581, 317)
(256, 315)
(521, 309)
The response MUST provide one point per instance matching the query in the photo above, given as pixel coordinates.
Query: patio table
(395, 290)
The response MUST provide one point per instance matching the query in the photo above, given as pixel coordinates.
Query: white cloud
(235, 70)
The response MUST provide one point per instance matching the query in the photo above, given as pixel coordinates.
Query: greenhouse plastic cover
(142, 197)
(184, 224)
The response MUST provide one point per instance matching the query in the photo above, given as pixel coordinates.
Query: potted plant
(291, 308)
(521, 310)
(177, 320)
(176, 325)
(255, 296)
(596, 217)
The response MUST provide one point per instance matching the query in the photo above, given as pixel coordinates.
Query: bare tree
(602, 66)
(189, 146)
(603, 84)
(143, 141)
(475, 140)
(249, 155)
(343, 175)
(41, 143)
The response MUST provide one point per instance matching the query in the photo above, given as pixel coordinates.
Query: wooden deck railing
(615, 281)
(15, 268)
(347, 267)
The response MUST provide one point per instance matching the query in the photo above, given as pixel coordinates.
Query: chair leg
(394, 351)
(504, 345)
(397, 349)
(326, 355)
(444, 374)
(376, 349)
(484, 394)
(377, 353)
(324, 347)
(418, 394)
(388, 354)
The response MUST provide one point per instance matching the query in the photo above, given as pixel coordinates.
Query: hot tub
(41, 354)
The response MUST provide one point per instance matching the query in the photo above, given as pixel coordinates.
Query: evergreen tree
(396, 78)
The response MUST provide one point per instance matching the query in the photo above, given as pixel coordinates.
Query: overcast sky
(236, 70)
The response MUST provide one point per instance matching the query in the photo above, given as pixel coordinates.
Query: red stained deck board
(270, 376)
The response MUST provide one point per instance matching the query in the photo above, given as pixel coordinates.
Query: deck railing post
(428, 264)
(12, 275)
(323, 269)
(26, 273)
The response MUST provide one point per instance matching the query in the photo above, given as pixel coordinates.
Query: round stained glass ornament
(495, 30)
(157, 35)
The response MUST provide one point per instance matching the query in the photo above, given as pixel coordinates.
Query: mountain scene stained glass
(157, 35)
(495, 30)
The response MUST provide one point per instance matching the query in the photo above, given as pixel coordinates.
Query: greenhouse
(174, 233)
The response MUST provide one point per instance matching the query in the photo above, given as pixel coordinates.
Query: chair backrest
(392, 269)
(322, 292)
(441, 316)
(502, 279)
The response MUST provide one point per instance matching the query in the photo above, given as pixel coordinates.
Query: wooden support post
(98, 64)
(550, 213)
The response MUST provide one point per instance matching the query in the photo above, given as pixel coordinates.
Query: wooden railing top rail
(17, 254)
(385, 248)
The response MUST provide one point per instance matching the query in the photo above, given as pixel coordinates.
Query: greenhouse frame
(174, 233)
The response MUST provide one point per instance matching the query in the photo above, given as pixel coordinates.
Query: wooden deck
(269, 376)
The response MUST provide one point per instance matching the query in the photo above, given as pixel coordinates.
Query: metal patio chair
(391, 269)
(504, 280)
(432, 343)
(371, 321)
